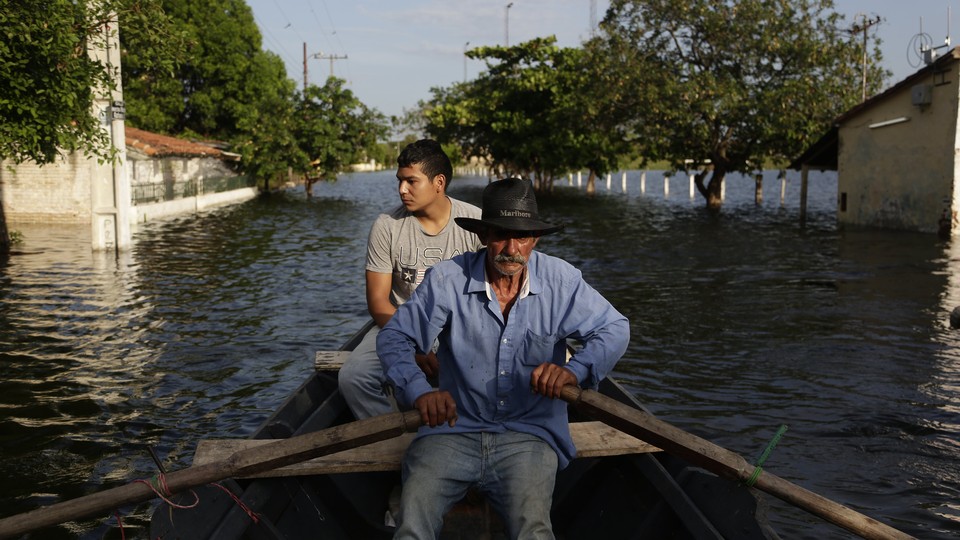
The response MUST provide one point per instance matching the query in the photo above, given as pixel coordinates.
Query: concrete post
(110, 182)
(804, 172)
(783, 186)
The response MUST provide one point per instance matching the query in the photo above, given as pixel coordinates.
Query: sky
(392, 52)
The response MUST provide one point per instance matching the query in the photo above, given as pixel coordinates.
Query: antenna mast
(928, 53)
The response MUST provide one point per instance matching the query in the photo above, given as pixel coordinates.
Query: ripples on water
(741, 322)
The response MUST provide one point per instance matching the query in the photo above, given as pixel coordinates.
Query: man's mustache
(516, 259)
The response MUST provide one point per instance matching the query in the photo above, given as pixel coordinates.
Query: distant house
(170, 176)
(897, 155)
(155, 158)
(167, 176)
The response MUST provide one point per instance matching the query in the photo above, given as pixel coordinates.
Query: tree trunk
(713, 190)
(592, 182)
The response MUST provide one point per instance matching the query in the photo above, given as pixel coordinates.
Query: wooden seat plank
(592, 439)
(329, 360)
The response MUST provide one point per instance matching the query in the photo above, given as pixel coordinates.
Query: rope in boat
(255, 517)
(764, 455)
(158, 483)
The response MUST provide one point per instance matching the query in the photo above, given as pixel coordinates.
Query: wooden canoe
(618, 487)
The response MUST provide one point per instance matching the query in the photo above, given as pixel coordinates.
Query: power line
(277, 44)
(326, 36)
(333, 28)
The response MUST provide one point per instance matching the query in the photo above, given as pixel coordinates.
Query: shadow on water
(740, 321)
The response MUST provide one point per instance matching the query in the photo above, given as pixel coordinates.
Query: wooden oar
(242, 463)
(721, 461)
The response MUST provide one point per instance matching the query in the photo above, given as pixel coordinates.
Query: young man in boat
(402, 245)
(502, 316)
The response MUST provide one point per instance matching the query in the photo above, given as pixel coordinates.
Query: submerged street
(740, 322)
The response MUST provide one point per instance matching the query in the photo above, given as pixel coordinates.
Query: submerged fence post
(783, 186)
(803, 195)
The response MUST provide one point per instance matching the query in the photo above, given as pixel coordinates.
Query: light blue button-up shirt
(486, 363)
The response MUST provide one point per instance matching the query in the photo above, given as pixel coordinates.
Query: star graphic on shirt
(409, 275)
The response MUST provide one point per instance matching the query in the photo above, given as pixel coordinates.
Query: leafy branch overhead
(50, 79)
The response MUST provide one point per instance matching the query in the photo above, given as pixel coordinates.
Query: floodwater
(741, 322)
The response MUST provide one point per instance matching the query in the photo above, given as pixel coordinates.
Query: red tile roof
(156, 145)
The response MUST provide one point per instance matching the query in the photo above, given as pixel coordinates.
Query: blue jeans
(516, 472)
(361, 380)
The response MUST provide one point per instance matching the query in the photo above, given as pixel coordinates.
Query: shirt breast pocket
(536, 349)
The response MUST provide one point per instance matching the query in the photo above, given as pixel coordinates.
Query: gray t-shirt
(398, 245)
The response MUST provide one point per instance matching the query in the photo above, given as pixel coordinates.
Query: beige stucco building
(165, 176)
(897, 155)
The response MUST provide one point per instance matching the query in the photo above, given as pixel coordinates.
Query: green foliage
(50, 80)
(149, 84)
(385, 153)
(724, 86)
(266, 138)
(534, 112)
(219, 83)
(335, 129)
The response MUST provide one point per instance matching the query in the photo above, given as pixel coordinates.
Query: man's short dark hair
(430, 156)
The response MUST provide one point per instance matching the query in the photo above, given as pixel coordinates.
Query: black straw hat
(510, 205)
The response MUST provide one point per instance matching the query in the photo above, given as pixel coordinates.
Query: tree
(266, 140)
(218, 87)
(50, 80)
(537, 110)
(506, 113)
(588, 113)
(334, 129)
(725, 86)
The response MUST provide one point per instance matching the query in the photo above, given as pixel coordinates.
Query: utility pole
(319, 56)
(110, 182)
(465, 45)
(593, 17)
(506, 24)
(863, 27)
(330, 57)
